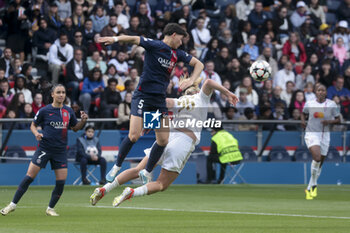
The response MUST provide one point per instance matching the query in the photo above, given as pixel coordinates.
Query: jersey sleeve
(183, 56)
(306, 108)
(148, 44)
(335, 111)
(72, 119)
(38, 118)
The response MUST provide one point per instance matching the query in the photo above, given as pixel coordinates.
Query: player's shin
(22, 188)
(109, 186)
(140, 191)
(154, 157)
(315, 166)
(56, 193)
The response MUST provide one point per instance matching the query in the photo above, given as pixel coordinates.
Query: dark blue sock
(56, 193)
(124, 149)
(154, 156)
(22, 188)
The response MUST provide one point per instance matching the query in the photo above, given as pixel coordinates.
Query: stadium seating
(15, 152)
(333, 5)
(331, 18)
(248, 154)
(333, 155)
(302, 154)
(279, 154)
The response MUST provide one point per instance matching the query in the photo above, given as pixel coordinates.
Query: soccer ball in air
(260, 70)
(92, 151)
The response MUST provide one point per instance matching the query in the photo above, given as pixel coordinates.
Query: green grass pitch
(198, 208)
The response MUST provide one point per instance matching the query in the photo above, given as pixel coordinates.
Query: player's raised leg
(162, 136)
(165, 179)
(315, 166)
(126, 145)
(32, 172)
(122, 178)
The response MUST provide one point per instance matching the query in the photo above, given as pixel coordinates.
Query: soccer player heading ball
(160, 60)
(54, 119)
(322, 113)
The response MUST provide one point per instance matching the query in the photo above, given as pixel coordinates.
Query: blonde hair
(195, 86)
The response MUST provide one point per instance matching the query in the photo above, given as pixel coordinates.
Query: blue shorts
(57, 160)
(142, 102)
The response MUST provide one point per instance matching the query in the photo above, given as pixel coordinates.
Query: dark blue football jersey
(160, 60)
(55, 123)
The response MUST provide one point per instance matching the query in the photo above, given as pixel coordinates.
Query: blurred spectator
(164, 6)
(317, 46)
(245, 61)
(227, 41)
(10, 114)
(60, 54)
(295, 50)
(95, 46)
(129, 87)
(111, 29)
(134, 76)
(68, 29)
(5, 62)
(314, 62)
(145, 22)
(243, 101)
(32, 82)
(249, 114)
(268, 88)
(88, 33)
(78, 44)
(43, 38)
(110, 100)
(124, 112)
(241, 36)
(282, 61)
(338, 127)
(38, 102)
(243, 9)
(221, 61)
(83, 3)
(299, 15)
(235, 72)
(96, 61)
(211, 51)
(21, 87)
(120, 64)
(78, 17)
(134, 29)
(76, 71)
(279, 114)
(122, 20)
(326, 73)
(16, 104)
(283, 23)
(93, 86)
(343, 12)
(171, 91)
(5, 97)
(317, 10)
(339, 51)
(305, 77)
(338, 89)
(99, 20)
(276, 97)
(26, 113)
(54, 21)
(89, 152)
(286, 94)
(267, 56)
(111, 72)
(297, 101)
(251, 48)
(251, 94)
(307, 31)
(257, 17)
(284, 75)
(209, 73)
(64, 9)
(230, 17)
(335, 66)
(347, 77)
(201, 36)
(231, 114)
(17, 66)
(266, 114)
(309, 92)
(270, 29)
(296, 117)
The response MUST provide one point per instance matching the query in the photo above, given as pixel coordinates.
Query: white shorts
(318, 139)
(176, 153)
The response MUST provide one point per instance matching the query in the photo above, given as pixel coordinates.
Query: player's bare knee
(317, 158)
(133, 136)
(162, 142)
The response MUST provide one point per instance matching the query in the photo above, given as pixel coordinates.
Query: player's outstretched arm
(198, 68)
(303, 120)
(210, 85)
(81, 123)
(113, 39)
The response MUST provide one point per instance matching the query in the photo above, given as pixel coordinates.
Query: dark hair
(88, 20)
(25, 68)
(112, 80)
(63, 34)
(172, 28)
(110, 66)
(89, 127)
(248, 111)
(127, 83)
(55, 86)
(91, 75)
(17, 77)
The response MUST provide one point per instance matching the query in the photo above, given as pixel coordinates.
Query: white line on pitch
(227, 212)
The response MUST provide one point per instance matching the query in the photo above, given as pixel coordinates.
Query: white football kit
(316, 132)
(187, 109)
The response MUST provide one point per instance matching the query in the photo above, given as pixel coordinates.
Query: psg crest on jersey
(65, 114)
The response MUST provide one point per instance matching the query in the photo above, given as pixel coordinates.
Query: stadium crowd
(50, 42)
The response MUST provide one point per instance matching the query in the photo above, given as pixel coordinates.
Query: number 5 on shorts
(140, 105)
